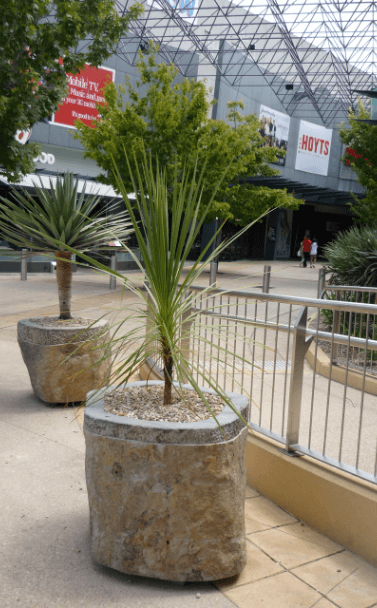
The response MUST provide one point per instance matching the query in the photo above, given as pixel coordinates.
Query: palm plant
(165, 236)
(352, 257)
(60, 219)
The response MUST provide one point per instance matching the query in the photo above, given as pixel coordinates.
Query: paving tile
(250, 492)
(301, 530)
(261, 514)
(289, 550)
(324, 603)
(358, 590)
(258, 566)
(327, 573)
(361, 563)
(280, 591)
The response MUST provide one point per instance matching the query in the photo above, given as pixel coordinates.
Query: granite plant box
(166, 500)
(54, 377)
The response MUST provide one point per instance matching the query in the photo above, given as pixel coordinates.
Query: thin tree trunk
(64, 280)
(168, 371)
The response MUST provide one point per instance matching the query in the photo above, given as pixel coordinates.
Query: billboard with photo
(275, 129)
(313, 151)
(85, 91)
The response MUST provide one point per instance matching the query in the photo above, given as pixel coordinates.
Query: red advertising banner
(85, 91)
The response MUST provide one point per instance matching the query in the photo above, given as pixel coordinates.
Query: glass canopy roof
(312, 53)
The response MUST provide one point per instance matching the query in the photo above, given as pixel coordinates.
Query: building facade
(311, 168)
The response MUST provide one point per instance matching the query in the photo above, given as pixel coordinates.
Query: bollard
(212, 273)
(113, 266)
(24, 265)
(266, 279)
(321, 282)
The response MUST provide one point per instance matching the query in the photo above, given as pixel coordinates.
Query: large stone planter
(166, 500)
(44, 350)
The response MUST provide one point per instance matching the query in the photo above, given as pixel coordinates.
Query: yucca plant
(59, 220)
(352, 257)
(165, 236)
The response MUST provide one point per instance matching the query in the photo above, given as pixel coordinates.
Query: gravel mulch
(56, 322)
(146, 403)
(355, 356)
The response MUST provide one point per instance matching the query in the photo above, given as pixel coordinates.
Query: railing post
(113, 266)
(300, 346)
(321, 282)
(24, 265)
(212, 273)
(336, 330)
(266, 279)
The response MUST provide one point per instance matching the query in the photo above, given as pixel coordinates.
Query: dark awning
(312, 194)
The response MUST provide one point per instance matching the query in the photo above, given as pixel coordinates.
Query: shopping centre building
(291, 68)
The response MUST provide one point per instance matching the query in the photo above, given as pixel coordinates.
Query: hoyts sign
(320, 146)
(313, 150)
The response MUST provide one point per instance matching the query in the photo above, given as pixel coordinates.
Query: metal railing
(359, 325)
(267, 337)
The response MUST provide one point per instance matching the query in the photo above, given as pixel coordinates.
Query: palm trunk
(64, 280)
(168, 371)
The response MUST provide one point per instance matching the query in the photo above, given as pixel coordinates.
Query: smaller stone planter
(44, 350)
(166, 499)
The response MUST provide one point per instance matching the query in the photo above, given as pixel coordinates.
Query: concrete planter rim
(106, 424)
(55, 355)
(36, 333)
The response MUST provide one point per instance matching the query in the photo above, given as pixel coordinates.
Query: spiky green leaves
(352, 257)
(60, 217)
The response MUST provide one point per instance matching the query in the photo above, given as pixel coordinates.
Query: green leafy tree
(171, 121)
(361, 139)
(34, 35)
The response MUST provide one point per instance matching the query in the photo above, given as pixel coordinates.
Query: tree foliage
(33, 36)
(171, 120)
(361, 139)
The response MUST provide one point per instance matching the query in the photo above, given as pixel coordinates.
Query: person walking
(306, 245)
(313, 253)
(300, 254)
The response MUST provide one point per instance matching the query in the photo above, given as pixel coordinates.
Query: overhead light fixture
(289, 87)
(144, 46)
(251, 47)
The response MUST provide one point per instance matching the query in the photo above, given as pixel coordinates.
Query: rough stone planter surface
(44, 350)
(166, 499)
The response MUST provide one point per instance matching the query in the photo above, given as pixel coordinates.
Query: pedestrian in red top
(306, 245)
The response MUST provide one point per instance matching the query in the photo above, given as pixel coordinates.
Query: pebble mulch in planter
(56, 322)
(355, 356)
(147, 404)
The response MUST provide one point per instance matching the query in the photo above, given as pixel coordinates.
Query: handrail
(277, 414)
(323, 335)
(310, 302)
(350, 288)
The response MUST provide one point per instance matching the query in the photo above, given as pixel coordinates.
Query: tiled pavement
(290, 565)
(44, 547)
